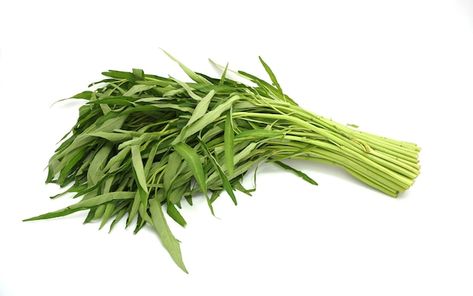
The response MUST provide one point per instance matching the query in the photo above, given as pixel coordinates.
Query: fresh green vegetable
(143, 142)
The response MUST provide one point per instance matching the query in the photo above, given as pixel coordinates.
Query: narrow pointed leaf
(228, 144)
(175, 215)
(271, 75)
(192, 75)
(201, 108)
(85, 204)
(205, 120)
(296, 172)
(170, 171)
(117, 219)
(225, 183)
(170, 243)
(138, 168)
(224, 75)
(95, 171)
(193, 160)
(109, 208)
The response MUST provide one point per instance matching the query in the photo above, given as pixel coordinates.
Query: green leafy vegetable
(144, 141)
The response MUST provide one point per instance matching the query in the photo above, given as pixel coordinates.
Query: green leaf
(90, 216)
(238, 186)
(192, 75)
(83, 139)
(170, 243)
(136, 89)
(187, 89)
(271, 75)
(228, 144)
(175, 215)
(135, 207)
(138, 168)
(245, 152)
(296, 172)
(224, 75)
(112, 137)
(209, 201)
(86, 95)
(226, 184)
(172, 107)
(114, 100)
(176, 194)
(139, 74)
(139, 225)
(189, 199)
(144, 214)
(95, 171)
(85, 204)
(71, 163)
(170, 170)
(99, 212)
(151, 156)
(201, 108)
(271, 90)
(213, 198)
(119, 75)
(116, 160)
(109, 208)
(258, 133)
(205, 120)
(117, 219)
(193, 160)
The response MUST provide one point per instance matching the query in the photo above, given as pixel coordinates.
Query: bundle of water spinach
(144, 143)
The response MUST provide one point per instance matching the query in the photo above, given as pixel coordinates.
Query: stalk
(381, 170)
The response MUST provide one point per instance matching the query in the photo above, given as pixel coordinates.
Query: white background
(403, 69)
